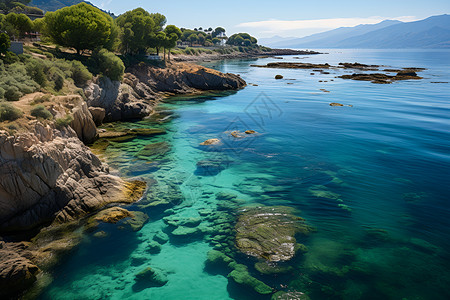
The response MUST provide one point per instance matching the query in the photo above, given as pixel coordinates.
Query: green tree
(81, 26)
(137, 27)
(173, 29)
(19, 24)
(159, 20)
(216, 41)
(170, 42)
(110, 64)
(240, 39)
(5, 43)
(192, 38)
(201, 39)
(218, 31)
(160, 42)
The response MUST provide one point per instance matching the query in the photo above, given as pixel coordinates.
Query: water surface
(373, 179)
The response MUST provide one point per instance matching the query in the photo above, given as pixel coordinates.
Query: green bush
(8, 112)
(80, 73)
(39, 111)
(63, 122)
(12, 93)
(41, 99)
(110, 65)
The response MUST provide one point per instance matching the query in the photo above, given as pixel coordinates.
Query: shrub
(2, 93)
(12, 93)
(63, 122)
(80, 73)
(110, 65)
(8, 112)
(39, 111)
(41, 99)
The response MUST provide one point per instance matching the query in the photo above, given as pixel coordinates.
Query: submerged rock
(270, 268)
(269, 232)
(154, 151)
(278, 76)
(149, 277)
(282, 295)
(241, 276)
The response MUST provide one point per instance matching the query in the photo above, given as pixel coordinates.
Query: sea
(372, 177)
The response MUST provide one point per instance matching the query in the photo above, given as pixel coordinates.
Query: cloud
(280, 26)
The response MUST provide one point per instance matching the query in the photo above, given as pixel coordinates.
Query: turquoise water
(373, 179)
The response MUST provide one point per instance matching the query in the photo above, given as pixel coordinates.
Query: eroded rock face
(143, 86)
(48, 174)
(83, 124)
(269, 232)
(16, 271)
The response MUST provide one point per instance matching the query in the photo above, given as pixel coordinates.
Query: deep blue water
(373, 179)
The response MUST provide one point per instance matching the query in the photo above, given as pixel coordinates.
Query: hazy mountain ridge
(433, 32)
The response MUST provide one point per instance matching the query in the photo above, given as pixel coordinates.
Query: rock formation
(48, 174)
(143, 86)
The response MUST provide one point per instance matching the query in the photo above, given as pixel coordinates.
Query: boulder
(278, 76)
(211, 142)
(98, 115)
(83, 124)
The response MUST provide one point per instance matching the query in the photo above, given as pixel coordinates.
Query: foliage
(173, 29)
(82, 27)
(136, 28)
(17, 24)
(159, 20)
(110, 65)
(63, 122)
(80, 73)
(218, 31)
(8, 112)
(39, 111)
(242, 39)
(15, 81)
(5, 43)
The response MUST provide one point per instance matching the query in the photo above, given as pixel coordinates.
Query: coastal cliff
(144, 86)
(49, 177)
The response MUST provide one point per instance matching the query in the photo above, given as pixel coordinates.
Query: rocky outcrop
(144, 85)
(48, 174)
(83, 124)
(17, 272)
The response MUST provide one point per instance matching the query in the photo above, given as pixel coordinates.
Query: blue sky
(283, 17)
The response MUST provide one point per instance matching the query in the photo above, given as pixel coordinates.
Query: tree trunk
(169, 55)
(164, 53)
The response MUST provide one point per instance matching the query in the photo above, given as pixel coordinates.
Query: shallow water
(372, 179)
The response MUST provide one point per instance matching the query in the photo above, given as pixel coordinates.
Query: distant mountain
(327, 38)
(433, 32)
(269, 42)
(52, 5)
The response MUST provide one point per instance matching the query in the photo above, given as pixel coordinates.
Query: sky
(286, 18)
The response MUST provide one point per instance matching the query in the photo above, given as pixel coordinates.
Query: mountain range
(433, 32)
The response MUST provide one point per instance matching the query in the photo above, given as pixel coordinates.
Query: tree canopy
(138, 30)
(242, 39)
(5, 43)
(82, 27)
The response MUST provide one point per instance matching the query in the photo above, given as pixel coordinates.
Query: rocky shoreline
(242, 55)
(49, 179)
